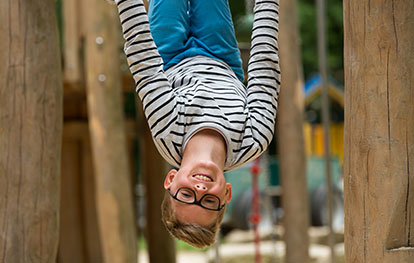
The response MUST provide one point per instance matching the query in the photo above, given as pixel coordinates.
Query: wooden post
(379, 134)
(290, 139)
(71, 243)
(154, 170)
(108, 140)
(323, 71)
(71, 31)
(93, 240)
(30, 131)
(79, 235)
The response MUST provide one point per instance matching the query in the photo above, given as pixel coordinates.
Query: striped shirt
(202, 92)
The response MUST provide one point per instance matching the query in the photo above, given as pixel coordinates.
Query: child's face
(208, 184)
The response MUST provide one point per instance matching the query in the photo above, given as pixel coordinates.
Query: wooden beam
(71, 244)
(379, 134)
(30, 131)
(92, 236)
(72, 42)
(79, 232)
(290, 138)
(114, 197)
(79, 130)
(154, 170)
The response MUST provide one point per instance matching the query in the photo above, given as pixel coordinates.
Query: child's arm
(146, 66)
(144, 61)
(263, 73)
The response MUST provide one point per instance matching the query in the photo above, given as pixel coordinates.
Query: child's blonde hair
(193, 234)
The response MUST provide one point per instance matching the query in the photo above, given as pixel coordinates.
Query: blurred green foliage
(334, 38)
(308, 33)
(179, 245)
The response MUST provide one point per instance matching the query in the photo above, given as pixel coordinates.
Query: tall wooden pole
(71, 36)
(290, 138)
(154, 170)
(30, 131)
(379, 131)
(323, 71)
(106, 125)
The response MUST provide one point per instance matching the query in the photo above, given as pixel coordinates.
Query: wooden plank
(74, 104)
(114, 197)
(75, 130)
(30, 131)
(154, 170)
(79, 130)
(290, 139)
(71, 244)
(93, 242)
(72, 62)
(76, 133)
(133, 168)
(379, 139)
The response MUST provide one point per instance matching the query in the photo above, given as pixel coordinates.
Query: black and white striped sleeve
(263, 73)
(146, 66)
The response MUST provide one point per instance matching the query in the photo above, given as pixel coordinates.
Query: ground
(238, 247)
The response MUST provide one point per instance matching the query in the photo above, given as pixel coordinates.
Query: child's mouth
(203, 177)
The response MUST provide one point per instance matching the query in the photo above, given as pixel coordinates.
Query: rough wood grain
(30, 131)
(290, 138)
(114, 197)
(379, 134)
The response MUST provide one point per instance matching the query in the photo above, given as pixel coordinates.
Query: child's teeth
(203, 177)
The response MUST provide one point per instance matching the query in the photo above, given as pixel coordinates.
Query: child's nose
(201, 187)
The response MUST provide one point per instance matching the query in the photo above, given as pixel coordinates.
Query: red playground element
(255, 216)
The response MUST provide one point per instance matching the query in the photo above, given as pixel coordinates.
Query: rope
(255, 216)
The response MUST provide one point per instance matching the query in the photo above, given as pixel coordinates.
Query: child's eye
(186, 195)
(211, 200)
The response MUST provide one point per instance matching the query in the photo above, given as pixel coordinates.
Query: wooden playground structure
(66, 173)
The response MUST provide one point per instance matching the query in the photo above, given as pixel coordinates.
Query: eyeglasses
(188, 196)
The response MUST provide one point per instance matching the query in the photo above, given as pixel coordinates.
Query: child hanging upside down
(187, 69)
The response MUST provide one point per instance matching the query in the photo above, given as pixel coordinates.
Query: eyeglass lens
(187, 195)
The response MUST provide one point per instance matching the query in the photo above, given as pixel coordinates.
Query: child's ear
(228, 193)
(169, 179)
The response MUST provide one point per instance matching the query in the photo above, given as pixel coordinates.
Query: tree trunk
(379, 134)
(30, 131)
(290, 139)
(106, 125)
